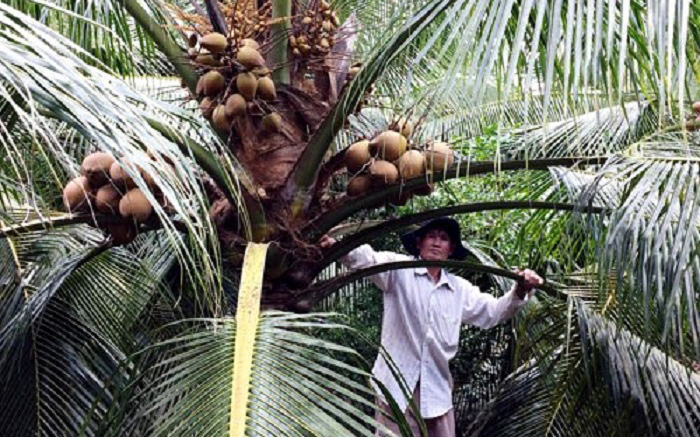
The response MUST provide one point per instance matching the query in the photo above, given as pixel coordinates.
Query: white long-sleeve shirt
(421, 325)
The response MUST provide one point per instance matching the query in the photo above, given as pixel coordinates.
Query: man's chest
(432, 309)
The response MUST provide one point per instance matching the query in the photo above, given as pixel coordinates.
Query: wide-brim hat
(447, 224)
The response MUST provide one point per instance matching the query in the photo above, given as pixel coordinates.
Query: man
(423, 311)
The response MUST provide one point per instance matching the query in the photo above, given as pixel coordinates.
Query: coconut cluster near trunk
(107, 186)
(314, 33)
(388, 158)
(233, 75)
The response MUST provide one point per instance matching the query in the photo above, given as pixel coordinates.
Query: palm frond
(188, 389)
(663, 390)
(69, 319)
(652, 237)
(600, 132)
(42, 68)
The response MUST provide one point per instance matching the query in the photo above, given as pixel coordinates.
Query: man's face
(435, 245)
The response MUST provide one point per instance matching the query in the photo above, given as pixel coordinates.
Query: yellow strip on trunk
(247, 316)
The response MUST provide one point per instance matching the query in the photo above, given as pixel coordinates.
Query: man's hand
(326, 241)
(530, 280)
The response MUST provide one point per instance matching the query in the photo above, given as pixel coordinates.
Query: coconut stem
(164, 42)
(277, 58)
(216, 18)
(367, 235)
(378, 197)
(325, 288)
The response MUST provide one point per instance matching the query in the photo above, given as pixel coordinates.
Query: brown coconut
(411, 164)
(207, 106)
(77, 194)
(247, 85)
(696, 107)
(266, 89)
(214, 42)
(212, 83)
(220, 120)
(438, 156)
(250, 57)
(107, 199)
(359, 184)
(192, 39)
(134, 205)
(95, 168)
(236, 105)
(249, 42)
(389, 145)
(121, 233)
(206, 58)
(357, 156)
(119, 176)
(272, 122)
(383, 172)
(403, 126)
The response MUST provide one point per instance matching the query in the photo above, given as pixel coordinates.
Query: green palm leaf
(296, 387)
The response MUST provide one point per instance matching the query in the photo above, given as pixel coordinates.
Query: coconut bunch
(386, 159)
(314, 32)
(693, 121)
(106, 186)
(213, 49)
(226, 91)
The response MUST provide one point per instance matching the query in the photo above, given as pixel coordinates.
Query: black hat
(448, 225)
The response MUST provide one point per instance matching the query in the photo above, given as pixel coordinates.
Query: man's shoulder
(461, 284)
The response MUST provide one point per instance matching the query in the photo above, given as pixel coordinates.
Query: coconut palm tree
(149, 322)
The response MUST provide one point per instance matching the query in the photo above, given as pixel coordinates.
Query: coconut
(207, 106)
(692, 125)
(214, 42)
(266, 89)
(134, 205)
(77, 194)
(107, 199)
(212, 83)
(357, 156)
(358, 185)
(221, 121)
(121, 233)
(389, 145)
(383, 172)
(119, 176)
(247, 85)
(250, 58)
(236, 105)
(95, 168)
(206, 58)
(249, 42)
(696, 107)
(192, 39)
(403, 127)
(411, 164)
(438, 156)
(272, 122)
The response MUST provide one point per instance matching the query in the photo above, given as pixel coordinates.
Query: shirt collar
(445, 277)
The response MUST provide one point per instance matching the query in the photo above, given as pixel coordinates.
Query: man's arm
(365, 256)
(486, 311)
